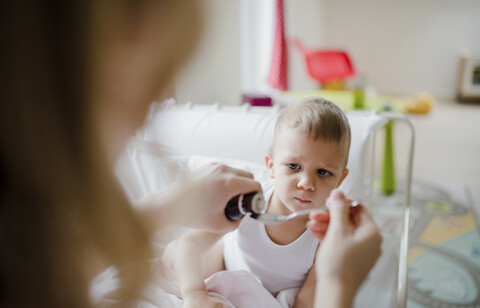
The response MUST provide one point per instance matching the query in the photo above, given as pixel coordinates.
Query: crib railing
(402, 283)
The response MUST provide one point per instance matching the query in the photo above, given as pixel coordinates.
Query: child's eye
(323, 172)
(293, 166)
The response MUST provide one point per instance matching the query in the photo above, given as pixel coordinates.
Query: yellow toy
(420, 103)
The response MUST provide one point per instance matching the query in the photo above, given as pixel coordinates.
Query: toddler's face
(304, 170)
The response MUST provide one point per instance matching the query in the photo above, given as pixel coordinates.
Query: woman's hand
(349, 250)
(198, 200)
(201, 299)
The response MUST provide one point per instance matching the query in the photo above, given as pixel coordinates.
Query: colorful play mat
(444, 247)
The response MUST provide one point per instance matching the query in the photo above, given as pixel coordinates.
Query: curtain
(278, 69)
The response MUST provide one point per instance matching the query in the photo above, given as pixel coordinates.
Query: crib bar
(402, 284)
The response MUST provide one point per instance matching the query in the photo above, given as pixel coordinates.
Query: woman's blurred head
(134, 62)
(76, 80)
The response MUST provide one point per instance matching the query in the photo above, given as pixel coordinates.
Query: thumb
(339, 211)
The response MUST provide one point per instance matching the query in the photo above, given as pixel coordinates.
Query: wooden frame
(469, 81)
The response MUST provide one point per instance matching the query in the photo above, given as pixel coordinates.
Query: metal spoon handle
(305, 212)
(272, 219)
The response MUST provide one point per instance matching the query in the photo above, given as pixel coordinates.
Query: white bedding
(240, 289)
(235, 289)
(147, 167)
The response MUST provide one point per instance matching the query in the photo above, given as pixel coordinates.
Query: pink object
(257, 100)
(325, 65)
(278, 70)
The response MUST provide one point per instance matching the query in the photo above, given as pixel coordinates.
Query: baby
(307, 159)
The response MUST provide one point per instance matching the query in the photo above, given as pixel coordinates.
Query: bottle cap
(258, 204)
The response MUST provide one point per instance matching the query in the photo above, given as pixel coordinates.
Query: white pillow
(229, 132)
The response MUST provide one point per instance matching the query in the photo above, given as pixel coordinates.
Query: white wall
(305, 20)
(213, 74)
(405, 46)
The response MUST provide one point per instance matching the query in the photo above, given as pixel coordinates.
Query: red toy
(327, 65)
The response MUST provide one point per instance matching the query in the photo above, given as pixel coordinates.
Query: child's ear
(344, 175)
(269, 164)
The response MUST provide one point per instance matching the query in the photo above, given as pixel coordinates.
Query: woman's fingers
(320, 215)
(236, 181)
(242, 185)
(318, 230)
(236, 171)
(318, 223)
(317, 226)
(339, 210)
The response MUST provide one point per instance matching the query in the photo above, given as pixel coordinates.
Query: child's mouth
(303, 201)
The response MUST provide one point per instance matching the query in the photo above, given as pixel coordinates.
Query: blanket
(240, 289)
(235, 289)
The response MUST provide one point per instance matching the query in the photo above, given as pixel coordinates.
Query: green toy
(388, 174)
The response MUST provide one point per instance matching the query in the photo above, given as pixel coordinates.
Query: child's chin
(301, 207)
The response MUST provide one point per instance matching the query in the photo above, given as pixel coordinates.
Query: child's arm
(306, 296)
(185, 257)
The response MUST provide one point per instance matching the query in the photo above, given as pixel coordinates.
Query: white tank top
(278, 267)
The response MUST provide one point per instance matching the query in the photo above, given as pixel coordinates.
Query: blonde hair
(316, 118)
(62, 211)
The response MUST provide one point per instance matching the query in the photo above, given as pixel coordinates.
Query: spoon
(273, 219)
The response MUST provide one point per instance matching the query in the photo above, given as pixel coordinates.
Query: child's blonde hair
(317, 118)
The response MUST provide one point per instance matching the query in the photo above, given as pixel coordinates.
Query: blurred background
(399, 48)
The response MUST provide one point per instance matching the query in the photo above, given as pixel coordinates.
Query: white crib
(179, 138)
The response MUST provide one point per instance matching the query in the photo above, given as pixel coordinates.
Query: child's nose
(306, 182)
